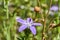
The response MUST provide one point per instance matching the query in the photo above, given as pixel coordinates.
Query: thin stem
(58, 25)
(44, 25)
(58, 6)
(38, 2)
(6, 8)
(49, 8)
(7, 17)
(52, 19)
(15, 37)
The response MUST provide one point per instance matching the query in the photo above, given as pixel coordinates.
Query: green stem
(6, 8)
(7, 17)
(44, 25)
(7, 31)
(43, 33)
(15, 37)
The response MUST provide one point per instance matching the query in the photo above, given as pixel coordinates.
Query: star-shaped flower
(54, 8)
(27, 24)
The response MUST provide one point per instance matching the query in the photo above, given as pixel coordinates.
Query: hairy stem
(44, 25)
(7, 18)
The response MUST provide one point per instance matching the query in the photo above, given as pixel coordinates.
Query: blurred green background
(10, 9)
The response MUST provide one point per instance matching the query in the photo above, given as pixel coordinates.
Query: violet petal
(21, 28)
(37, 24)
(54, 8)
(29, 20)
(20, 20)
(33, 30)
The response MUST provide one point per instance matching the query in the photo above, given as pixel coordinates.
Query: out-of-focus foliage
(10, 9)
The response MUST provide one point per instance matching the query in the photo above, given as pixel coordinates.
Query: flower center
(29, 25)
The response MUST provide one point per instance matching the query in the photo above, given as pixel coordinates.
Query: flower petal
(23, 27)
(20, 20)
(33, 30)
(29, 20)
(54, 8)
(37, 24)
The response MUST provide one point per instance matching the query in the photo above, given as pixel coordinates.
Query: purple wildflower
(27, 24)
(54, 8)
